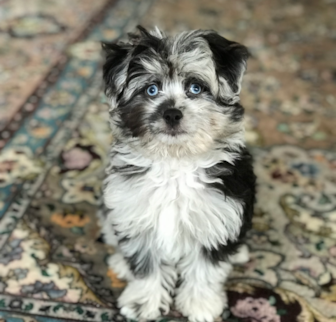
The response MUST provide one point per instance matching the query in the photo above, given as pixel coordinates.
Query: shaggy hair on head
(179, 191)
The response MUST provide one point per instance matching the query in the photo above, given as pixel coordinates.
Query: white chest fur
(171, 203)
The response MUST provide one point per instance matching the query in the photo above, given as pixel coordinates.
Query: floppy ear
(230, 61)
(115, 67)
(118, 57)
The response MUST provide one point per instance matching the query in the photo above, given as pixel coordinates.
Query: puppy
(180, 187)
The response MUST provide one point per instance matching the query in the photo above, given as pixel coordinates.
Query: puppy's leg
(120, 266)
(201, 296)
(144, 297)
(152, 286)
(116, 261)
(107, 230)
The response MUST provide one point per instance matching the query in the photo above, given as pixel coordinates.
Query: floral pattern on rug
(44, 28)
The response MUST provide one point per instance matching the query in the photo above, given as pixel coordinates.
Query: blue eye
(195, 88)
(152, 90)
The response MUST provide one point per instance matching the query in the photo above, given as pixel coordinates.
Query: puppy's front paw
(136, 311)
(142, 300)
(201, 308)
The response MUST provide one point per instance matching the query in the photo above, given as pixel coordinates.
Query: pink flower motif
(77, 159)
(257, 310)
(332, 251)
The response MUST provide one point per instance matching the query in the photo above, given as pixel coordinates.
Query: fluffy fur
(178, 197)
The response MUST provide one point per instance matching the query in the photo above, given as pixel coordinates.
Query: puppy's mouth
(166, 132)
(173, 131)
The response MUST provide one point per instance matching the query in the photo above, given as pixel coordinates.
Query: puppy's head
(177, 95)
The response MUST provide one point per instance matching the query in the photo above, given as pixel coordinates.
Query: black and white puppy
(180, 187)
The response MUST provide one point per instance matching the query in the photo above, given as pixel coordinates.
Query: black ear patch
(115, 57)
(121, 57)
(230, 58)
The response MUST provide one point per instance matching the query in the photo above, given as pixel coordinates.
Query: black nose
(172, 116)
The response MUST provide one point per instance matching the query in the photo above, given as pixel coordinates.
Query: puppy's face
(175, 96)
